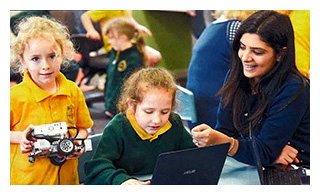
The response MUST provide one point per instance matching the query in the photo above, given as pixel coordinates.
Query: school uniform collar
(141, 132)
(124, 52)
(40, 94)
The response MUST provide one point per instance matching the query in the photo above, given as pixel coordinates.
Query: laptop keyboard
(282, 177)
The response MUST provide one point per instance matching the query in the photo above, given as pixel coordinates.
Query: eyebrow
(254, 47)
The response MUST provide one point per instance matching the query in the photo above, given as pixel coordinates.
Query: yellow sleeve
(98, 15)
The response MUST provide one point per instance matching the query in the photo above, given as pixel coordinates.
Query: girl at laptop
(144, 128)
(264, 96)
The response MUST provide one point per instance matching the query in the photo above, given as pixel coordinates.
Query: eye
(52, 56)
(165, 112)
(35, 59)
(242, 47)
(258, 52)
(148, 111)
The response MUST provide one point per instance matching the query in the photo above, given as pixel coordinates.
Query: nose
(45, 65)
(156, 119)
(245, 56)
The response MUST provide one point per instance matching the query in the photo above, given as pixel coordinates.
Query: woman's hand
(25, 144)
(287, 156)
(135, 182)
(203, 135)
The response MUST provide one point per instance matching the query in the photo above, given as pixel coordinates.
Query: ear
(23, 62)
(280, 54)
(131, 105)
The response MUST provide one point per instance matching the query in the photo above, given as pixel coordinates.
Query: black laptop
(196, 166)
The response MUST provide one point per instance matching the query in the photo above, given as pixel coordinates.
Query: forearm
(234, 145)
(15, 137)
(86, 22)
(219, 138)
(102, 171)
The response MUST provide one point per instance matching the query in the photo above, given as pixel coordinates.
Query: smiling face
(42, 58)
(257, 57)
(154, 110)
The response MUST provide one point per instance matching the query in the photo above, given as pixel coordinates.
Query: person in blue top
(210, 62)
(264, 97)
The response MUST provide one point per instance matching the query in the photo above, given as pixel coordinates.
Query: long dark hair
(276, 30)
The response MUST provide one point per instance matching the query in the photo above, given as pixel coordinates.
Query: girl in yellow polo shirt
(45, 96)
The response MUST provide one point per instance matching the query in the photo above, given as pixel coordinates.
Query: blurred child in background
(127, 54)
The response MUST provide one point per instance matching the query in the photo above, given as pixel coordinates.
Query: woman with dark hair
(210, 62)
(264, 96)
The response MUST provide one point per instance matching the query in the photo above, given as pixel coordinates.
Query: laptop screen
(197, 166)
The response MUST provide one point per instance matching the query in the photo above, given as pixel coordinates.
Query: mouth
(154, 127)
(250, 67)
(46, 74)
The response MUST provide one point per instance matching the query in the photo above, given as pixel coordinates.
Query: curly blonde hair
(139, 82)
(43, 27)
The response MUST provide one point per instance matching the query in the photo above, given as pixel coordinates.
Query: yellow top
(142, 133)
(301, 24)
(103, 16)
(29, 104)
(300, 20)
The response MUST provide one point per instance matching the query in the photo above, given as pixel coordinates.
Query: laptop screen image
(197, 166)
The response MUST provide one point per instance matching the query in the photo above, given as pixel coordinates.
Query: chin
(248, 75)
(151, 132)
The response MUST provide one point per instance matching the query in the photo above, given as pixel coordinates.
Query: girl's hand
(135, 182)
(287, 156)
(76, 155)
(144, 29)
(83, 133)
(25, 144)
(153, 57)
(93, 34)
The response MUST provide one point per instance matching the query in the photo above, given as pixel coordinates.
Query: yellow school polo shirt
(103, 16)
(29, 104)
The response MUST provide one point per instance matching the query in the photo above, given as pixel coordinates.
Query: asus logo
(188, 172)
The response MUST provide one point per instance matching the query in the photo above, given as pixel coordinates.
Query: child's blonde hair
(124, 26)
(234, 14)
(139, 82)
(35, 26)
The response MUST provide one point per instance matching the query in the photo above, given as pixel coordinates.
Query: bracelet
(232, 145)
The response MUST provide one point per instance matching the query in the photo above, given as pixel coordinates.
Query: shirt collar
(141, 132)
(40, 94)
